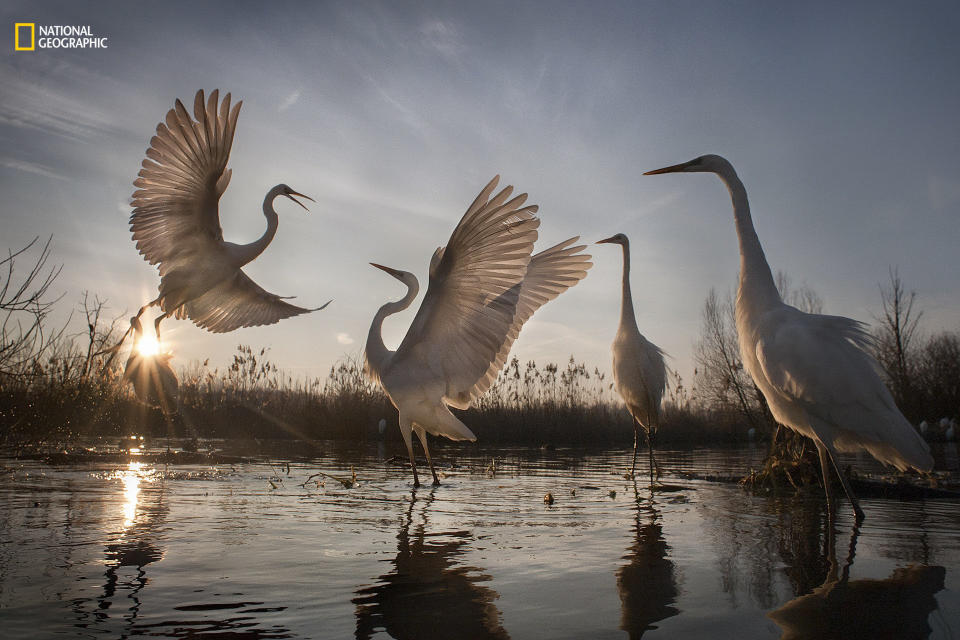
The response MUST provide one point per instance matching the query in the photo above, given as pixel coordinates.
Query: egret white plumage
(484, 285)
(176, 223)
(639, 371)
(814, 370)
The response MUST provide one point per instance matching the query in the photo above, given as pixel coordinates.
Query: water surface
(268, 549)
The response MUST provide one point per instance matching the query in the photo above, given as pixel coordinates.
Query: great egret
(154, 381)
(814, 370)
(483, 286)
(176, 224)
(639, 372)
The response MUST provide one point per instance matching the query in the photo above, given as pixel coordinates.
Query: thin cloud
(344, 338)
(31, 167)
(289, 101)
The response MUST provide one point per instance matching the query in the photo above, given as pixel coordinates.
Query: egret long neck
(376, 351)
(756, 281)
(248, 252)
(627, 317)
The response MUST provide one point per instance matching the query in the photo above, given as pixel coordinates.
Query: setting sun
(148, 345)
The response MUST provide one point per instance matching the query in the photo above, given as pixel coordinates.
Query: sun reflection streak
(131, 490)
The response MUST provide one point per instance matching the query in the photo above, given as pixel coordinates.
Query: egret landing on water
(814, 370)
(484, 285)
(639, 372)
(176, 224)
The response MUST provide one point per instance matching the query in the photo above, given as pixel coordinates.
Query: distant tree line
(54, 387)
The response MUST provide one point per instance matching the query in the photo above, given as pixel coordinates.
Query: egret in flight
(814, 370)
(639, 372)
(176, 223)
(483, 286)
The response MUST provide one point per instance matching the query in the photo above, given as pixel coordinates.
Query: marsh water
(265, 548)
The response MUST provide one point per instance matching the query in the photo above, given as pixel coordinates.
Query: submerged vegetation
(54, 388)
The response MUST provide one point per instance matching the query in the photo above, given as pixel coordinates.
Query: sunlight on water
(131, 488)
(294, 548)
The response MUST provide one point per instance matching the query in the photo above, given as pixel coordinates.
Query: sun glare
(148, 345)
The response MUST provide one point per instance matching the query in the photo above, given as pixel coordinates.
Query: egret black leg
(423, 441)
(846, 487)
(405, 428)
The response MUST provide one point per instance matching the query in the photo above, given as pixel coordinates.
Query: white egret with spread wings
(815, 371)
(176, 223)
(484, 285)
(639, 371)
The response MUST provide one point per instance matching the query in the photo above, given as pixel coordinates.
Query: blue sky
(841, 120)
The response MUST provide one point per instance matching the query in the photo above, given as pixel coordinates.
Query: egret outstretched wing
(176, 207)
(239, 302)
(819, 363)
(472, 297)
(550, 273)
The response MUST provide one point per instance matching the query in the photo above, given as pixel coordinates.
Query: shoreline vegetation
(55, 390)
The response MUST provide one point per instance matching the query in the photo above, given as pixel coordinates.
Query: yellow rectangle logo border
(16, 36)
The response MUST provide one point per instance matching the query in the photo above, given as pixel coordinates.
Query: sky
(841, 119)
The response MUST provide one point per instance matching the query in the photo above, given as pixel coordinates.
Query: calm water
(254, 551)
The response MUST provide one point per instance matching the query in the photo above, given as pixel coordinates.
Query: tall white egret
(814, 370)
(483, 286)
(639, 372)
(176, 223)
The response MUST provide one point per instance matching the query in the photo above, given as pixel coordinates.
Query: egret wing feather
(473, 292)
(239, 302)
(820, 363)
(550, 273)
(176, 206)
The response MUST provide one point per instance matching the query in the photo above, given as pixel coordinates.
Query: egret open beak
(294, 193)
(606, 240)
(671, 169)
(393, 272)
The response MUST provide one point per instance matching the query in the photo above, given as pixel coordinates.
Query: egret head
(709, 163)
(284, 190)
(405, 277)
(619, 238)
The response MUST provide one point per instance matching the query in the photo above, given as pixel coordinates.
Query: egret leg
(423, 441)
(654, 467)
(846, 487)
(405, 428)
(636, 445)
(156, 323)
(825, 472)
(147, 306)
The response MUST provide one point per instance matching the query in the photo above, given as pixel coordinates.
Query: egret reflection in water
(648, 582)
(134, 544)
(427, 594)
(895, 608)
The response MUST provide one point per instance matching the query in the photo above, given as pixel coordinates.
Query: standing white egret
(814, 370)
(176, 224)
(639, 372)
(483, 286)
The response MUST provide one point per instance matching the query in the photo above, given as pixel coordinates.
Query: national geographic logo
(28, 36)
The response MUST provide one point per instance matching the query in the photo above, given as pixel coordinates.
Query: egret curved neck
(627, 316)
(756, 280)
(246, 253)
(376, 351)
